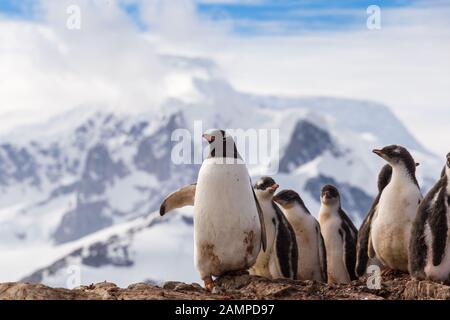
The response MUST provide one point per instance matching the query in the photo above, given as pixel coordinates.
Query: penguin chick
(340, 237)
(281, 257)
(312, 263)
(390, 228)
(430, 237)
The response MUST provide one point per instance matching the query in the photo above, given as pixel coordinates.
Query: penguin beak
(417, 164)
(209, 138)
(274, 187)
(379, 153)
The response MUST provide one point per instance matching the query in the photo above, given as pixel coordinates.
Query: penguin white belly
(265, 258)
(336, 269)
(227, 231)
(440, 272)
(308, 249)
(391, 228)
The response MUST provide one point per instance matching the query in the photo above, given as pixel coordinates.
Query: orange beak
(274, 187)
(378, 152)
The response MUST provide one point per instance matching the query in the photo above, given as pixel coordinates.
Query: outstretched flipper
(181, 198)
(261, 219)
(362, 246)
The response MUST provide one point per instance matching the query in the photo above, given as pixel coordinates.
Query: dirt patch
(249, 241)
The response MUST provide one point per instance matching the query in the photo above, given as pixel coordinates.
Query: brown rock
(241, 286)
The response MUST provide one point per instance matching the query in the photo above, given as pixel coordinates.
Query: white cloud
(109, 61)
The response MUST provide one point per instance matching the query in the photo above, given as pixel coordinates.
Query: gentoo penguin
(229, 225)
(390, 228)
(362, 246)
(312, 263)
(340, 237)
(430, 235)
(281, 257)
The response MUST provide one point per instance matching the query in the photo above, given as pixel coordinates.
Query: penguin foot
(209, 283)
(388, 272)
(236, 273)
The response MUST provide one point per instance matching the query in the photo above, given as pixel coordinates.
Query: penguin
(281, 257)
(390, 227)
(429, 251)
(312, 262)
(362, 245)
(340, 237)
(229, 228)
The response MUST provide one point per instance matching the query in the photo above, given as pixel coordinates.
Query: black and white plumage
(340, 237)
(363, 247)
(281, 257)
(229, 227)
(430, 237)
(312, 262)
(390, 227)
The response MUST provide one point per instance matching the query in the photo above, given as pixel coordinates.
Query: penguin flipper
(181, 198)
(371, 250)
(364, 243)
(350, 238)
(286, 246)
(438, 225)
(261, 219)
(418, 247)
(322, 255)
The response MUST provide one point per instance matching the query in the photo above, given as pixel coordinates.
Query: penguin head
(214, 135)
(221, 145)
(448, 160)
(330, 195)
(397, 155)
(288, 198)
(266, 187)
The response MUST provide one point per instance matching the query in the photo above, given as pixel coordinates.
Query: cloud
(111, 61)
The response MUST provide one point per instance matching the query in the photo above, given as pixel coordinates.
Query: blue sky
(255, 17)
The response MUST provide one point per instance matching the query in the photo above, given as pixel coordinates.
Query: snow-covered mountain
(83, 188)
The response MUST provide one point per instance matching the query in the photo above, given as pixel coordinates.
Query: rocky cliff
(236, 287)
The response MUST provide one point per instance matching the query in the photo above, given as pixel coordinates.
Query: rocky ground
(236, 287)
